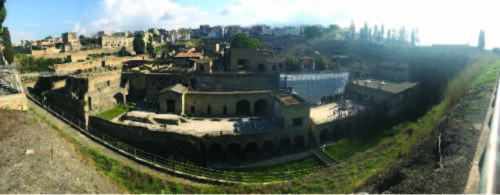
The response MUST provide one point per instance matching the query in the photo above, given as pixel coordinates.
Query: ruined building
(71, 42)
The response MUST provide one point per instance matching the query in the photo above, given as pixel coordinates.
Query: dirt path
(34, 159)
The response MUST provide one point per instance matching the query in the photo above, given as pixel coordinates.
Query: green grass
(301, 164)
(346, 148)
(114, 112)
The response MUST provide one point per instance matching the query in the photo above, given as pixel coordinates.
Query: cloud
(21, 35)
(441, 21)
(139, 14)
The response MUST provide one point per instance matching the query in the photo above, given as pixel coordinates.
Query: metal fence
(314, 86)
(166, 164)
(489, 182)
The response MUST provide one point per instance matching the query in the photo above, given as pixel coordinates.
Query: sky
(438, 21)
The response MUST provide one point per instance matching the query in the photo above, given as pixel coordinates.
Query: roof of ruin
(290, 99)
(390, 87)
(188, 54)
(178, 88)
(230, 92)
(324, 113)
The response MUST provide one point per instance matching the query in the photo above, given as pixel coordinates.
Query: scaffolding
(313, 87)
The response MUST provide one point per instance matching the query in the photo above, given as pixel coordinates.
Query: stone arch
(209, 109)
(216, 151)
(89, 99)
(337, 127)
(233, 151)
(192, 83)
(285, 145)
(251, 150)
(243, 107)
(299, 142)
(120, 99)
(325, 136)
(268, 148)
(260, 107)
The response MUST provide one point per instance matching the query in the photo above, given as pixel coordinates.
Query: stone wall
(287, 113)
(158, 142)
(63, 55)
(217, 101)
(254, 61)
(329, 131)
(93, 64)
(236, 81)
(116, 42)
(14, 102)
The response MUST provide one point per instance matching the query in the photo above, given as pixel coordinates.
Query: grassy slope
(347, 176)
(341, 178)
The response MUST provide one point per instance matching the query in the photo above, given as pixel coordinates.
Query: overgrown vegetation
(301, 164)
(100, 55)
(242, 40)
(115, 112)
(28, 63)
(139, 44)
(365, 162)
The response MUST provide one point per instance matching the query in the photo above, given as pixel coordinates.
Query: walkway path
(34, 159)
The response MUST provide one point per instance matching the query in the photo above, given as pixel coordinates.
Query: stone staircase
(325, 158)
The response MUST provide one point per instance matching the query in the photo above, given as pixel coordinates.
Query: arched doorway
(119, 98)
(243, 107)
(325, 136)
(268, 148)
(251, 150)
(299, 142)
(216, 152)
(233, 151)
(338, 132)
(285, 145)
(260, 107)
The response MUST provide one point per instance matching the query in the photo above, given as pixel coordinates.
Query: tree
(162, 50)
(481, 41)
(321, 62)
(414, 37)
(8, 52)
(333, 28)
(3, 12)
(242, 40)
(150, 48)
(352, 31)
(380, 38)
(139, 44)
(364, 34)
(402, 35)
(312, 31)
(292, 63)
(5, 34)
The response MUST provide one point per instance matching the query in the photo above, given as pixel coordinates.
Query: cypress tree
(8, 52)
(481, 41)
